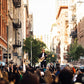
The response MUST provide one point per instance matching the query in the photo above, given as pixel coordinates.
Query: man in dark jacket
(43, 57)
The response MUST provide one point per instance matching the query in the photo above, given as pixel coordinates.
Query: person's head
(29, 78)
(5, 75)
(38, 72)
(12, 78)
(43, 50)
(65, 76)
(48, 77)
(9, 65)
(3, 81)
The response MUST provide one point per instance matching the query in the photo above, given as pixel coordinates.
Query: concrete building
(17, 24)
(53, 36)
(55, 40)
(72, 19)
(62, 24)
(14, 30)
(80, 22)
(29, 30)
(60, 3)
(3, 28)
(76, 20)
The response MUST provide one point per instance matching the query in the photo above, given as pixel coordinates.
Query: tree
(75, 51)
(37, 46)
(51, 57)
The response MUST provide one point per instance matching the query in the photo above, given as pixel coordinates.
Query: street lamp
(7, 44)
(31, 53)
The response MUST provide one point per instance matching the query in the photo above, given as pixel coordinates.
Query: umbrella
(3, 63)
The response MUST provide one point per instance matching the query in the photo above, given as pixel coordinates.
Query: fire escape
(17, 25)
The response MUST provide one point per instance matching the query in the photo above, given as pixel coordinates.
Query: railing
(17, 3)
(16, 23)
(73, 33)
(17, 44)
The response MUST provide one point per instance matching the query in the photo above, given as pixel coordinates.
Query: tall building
(24, 17)
(62, 25)
(76, 20)
(53, 35)
(3, 28)
(80, 22)
(29, 30)
(14, 16)
(60, 3)
(14, 30)
(72, 19)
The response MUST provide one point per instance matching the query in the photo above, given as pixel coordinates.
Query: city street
(41, 42)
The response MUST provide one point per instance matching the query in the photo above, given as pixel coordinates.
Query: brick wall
(3, 19)
(80, 30)
(3, 23)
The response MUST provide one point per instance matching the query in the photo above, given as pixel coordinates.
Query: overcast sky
(43, 15)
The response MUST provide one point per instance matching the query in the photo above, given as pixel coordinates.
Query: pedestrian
(65, 76)
(29, 78)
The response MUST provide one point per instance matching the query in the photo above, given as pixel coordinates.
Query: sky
(43, 15)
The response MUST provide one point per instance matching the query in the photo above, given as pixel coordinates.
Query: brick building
(80, 22)
(3, 28)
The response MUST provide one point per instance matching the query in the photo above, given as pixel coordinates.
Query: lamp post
(7, 45)
(31, 53)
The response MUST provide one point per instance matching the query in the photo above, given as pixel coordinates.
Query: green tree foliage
(36, 48)
(51, 57)
(75, 51)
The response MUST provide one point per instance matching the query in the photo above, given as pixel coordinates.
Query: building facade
(80, 22)
(55, 40)
(3, 28)
(14, 30)
(76, 20)
(29, 30)
(62, 25)
(13, 23)
(72, 19)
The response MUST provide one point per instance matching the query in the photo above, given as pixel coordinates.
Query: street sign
(15, 54)
(19, 57)
(5, 55)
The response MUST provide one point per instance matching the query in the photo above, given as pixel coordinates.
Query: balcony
(17, 44)
(17, 3)
(73, 33)
(16, 23)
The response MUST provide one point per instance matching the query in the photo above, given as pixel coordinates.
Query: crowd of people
(14, 74)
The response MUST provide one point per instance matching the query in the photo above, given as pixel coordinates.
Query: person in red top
(74, 70)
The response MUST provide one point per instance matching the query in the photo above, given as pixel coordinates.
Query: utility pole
(31, 53)
(7, 45)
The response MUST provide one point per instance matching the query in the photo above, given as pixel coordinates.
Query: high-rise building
(61, 3)
(62, 25)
